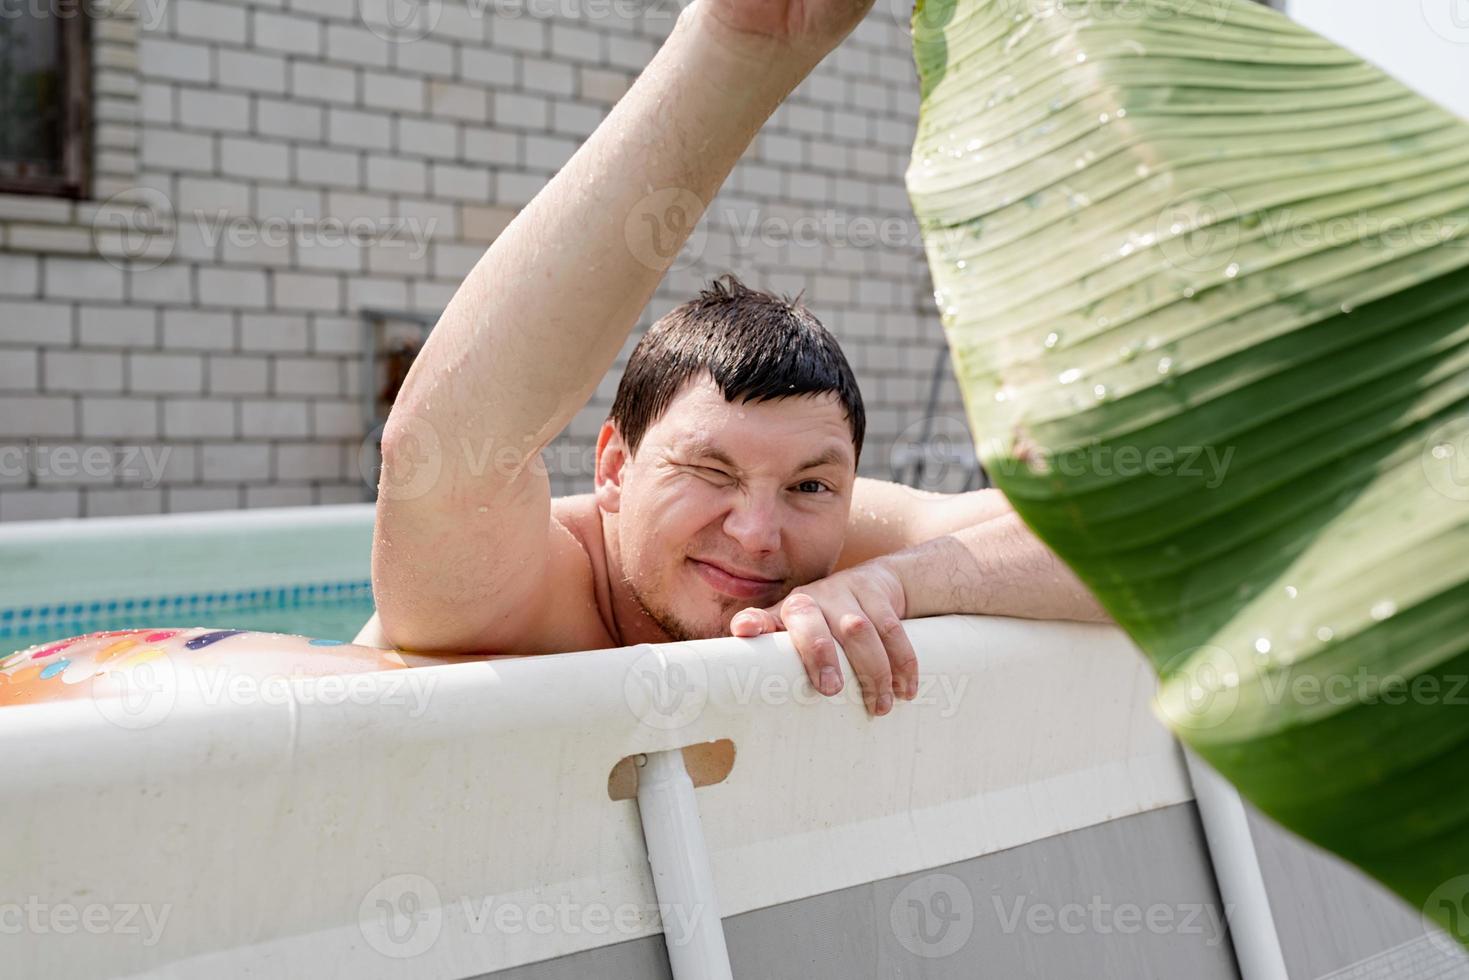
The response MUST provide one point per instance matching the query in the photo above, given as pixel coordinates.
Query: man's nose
(754, 523)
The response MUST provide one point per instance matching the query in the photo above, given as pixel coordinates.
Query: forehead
(783, 430)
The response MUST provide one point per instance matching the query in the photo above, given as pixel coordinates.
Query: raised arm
(464, 536)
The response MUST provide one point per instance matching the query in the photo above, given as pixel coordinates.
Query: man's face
(726, 506)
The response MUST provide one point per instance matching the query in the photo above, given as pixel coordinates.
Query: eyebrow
(829, 457)
(702, 451)
(832, 456)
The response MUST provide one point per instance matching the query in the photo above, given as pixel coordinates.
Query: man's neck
(627, 621)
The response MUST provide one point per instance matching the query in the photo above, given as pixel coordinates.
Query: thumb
(754, 622)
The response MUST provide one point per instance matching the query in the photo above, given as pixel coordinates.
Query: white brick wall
(228, 331)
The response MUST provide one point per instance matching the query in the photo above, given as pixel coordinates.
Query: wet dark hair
(756, 347)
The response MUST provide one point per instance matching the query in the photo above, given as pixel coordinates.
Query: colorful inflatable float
(129, 662)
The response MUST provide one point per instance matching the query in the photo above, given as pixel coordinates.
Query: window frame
(76, 136)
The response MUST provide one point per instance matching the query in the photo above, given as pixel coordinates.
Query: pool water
(330, 610)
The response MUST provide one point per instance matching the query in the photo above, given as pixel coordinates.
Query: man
(725, 499)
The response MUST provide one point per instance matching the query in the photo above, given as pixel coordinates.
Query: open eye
(812, 486)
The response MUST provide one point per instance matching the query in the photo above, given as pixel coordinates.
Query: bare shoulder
(562, 618)
(578, 514)
(577, 566)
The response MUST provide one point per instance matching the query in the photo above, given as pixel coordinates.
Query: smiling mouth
(733, 584)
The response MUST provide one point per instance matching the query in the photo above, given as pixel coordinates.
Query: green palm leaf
(1205, 276)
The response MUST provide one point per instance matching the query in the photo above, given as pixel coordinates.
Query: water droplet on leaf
(1384, 609)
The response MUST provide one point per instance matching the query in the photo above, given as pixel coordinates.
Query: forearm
(994, 568)
(541, 317)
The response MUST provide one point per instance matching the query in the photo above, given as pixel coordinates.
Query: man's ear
(612, 459)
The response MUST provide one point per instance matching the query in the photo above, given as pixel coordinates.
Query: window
(44, 97)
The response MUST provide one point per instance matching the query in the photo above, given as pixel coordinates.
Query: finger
(754, 622)
(814, 643)
(902, 658)
(868, 657)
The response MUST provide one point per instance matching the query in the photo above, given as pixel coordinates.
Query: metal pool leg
(1237, 870)
(681, 875)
